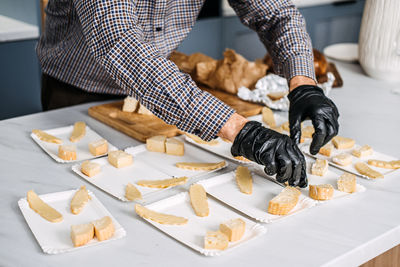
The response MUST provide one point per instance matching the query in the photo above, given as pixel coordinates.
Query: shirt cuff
(301, 65)
(206, 116)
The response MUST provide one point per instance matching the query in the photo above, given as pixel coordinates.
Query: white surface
(347, 52)
(192, 234)
(82, 146)
(224, 188)
(350, 168)
(345, 232)
(54, 238)
(113, 180)
(15, 30)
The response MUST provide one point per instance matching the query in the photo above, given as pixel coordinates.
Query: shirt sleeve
(117, 42)
(282, 29)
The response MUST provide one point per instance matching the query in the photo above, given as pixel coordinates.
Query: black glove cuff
(247, 128)
(295, 93)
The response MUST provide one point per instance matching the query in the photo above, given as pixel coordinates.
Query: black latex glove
(309, 102)
(273, 150)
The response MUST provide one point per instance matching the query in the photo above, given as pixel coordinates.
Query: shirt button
(159, 29)
(197, 132)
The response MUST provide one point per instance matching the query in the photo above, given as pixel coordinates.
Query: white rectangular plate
(192, 234)
(330, 177)
(54, 238)
(146, 166)
(224, 188)
(82, 146)
(350, 168)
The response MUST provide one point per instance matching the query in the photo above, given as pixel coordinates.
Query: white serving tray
(330, 177)
(146, 166)
(82, 146)
(350, 168)
(225, 189)
(192, 234)
(54, 238)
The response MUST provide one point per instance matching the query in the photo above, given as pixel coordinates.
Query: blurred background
(328, 22)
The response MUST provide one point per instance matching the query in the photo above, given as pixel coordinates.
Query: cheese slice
(343, 142)
(99, 147)
(174, 147)
(216, 240)
(120, 159)
(81, 234)
(130, 104)
(67, 152)
(198, 166)
(90, 168)
(40, 207)
(103, 228)
(132, 193)
(307, 131)
(234, 229)
(144, 111)
(163, 183)
(78, 132)
(79, 200)
(321, 191)
(326, 150)
(343, 159)
(284, 202)
(394, 164)
(319, 167)
(198, 199)
(241, 158)
(156, 143)
(268, 117)
(159, 217)
(46, 137)
(198, 140)
(244, 180)
(347, 183)
(363, 151)
(364, 169)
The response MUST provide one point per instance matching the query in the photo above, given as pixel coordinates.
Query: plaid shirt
(121, 47)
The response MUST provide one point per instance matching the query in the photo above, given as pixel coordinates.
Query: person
(94, 50)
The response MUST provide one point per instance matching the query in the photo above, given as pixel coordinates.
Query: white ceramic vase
(379, 40)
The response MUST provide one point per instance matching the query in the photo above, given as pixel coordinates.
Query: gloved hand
(273, 150)
(309, 101)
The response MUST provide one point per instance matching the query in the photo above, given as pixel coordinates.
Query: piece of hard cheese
(67, 152)
(120, 159)
(174, 147)
(321, 191)
(79, 200)
(341, 142)
(283, 203)
(103, 228)
(99, 147)
(156, 143)
(90, 168)
(216, 240)
(130, 104)
(233, 229)
(42, 208)
(81, 234)
(347, 183)
(319, 167)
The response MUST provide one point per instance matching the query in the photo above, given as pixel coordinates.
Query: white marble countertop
(15, 30)
(346, 232)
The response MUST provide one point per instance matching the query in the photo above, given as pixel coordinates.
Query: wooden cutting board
(142, 127)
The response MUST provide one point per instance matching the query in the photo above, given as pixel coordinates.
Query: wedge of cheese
(120, 159)
(234, 229)
(90, 168)
(130, 104)
(364, 169)
(99, 147)
(393, 164)
(343, 142)
(103, 228)
(343, 159)
(283, 203)
(319, 167)
(46, 137)
(216, 240)
(198, 140)
(326, 150)
(79, 200)
(156, 143)
(244, 180)
(67, 152)
(165, 183)
(347, 183)
(159, 217)
(43, 209)
(78, 132)
(268, 117)
(321, 191)
(198, 200)
(363, 151)
(200, 166)
(132, 193)
(81, 234)
(174, 147)
(144, 111)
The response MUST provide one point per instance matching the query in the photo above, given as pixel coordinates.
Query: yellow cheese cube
(99, 147)
(120, 159)
(233, 229)
(67, 152)
(81, 234)
(90, 168)
(156, 143)
(175, 147)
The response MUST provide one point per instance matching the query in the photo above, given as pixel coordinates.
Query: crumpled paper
(274, 84)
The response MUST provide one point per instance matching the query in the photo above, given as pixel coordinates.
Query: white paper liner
(146, 166)
(54, 238)
(224, 188)
(82, 146)
(192, 234)
(350, 168)
(273, 83)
